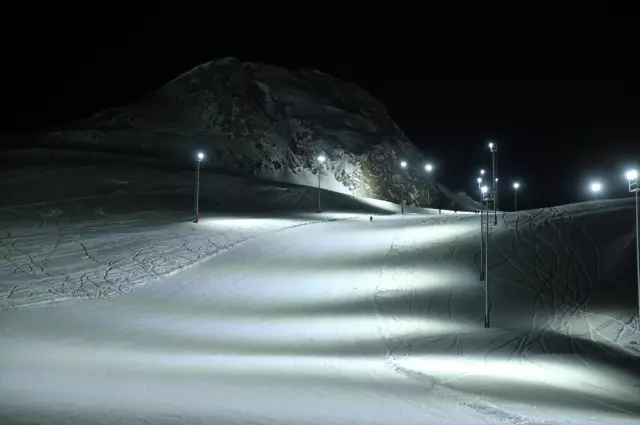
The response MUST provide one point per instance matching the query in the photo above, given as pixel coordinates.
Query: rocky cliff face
(268, 122)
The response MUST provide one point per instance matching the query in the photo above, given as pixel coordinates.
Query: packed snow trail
(341, 322)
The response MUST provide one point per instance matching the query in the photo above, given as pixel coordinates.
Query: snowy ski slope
(337, 321)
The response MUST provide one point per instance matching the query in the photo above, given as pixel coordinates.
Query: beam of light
(201, 350)
(516, 185)
(334, 291)
(403, 164)
(596, 187)
(96, 378)
(338, 334)
(200, 156)
(428, 167)
(231, 222)
(548, 373)
(631, 175)
(321, 158)
(482, 172)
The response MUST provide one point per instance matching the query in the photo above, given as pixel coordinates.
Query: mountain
(262, 121)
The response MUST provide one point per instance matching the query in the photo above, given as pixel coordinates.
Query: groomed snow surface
(117, 308)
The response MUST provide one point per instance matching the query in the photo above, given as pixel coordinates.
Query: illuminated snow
(337, 322)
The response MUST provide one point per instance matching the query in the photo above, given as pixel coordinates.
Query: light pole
(632, 177)
(200, 158)
(516, 185)
(321, 160)
(481, 228)
(403, 165)
(429, 168)
(485, 195)
(494, 148)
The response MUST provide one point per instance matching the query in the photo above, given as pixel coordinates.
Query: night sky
(561, 112)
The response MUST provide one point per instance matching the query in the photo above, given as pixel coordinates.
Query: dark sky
(562, 109)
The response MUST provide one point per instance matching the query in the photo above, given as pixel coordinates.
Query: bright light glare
(484, 189)
(496, 179)
(631, 174)
(403, 164)
(428, 167)
(321, 158)
(596, 187)
(200, 156)
(482, 172)
(490, 145)
(516, 185)
(479, 180)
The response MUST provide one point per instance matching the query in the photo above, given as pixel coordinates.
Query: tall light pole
(485, 195)
(481, 228)
(632, 177)
(516, 185)
(429, 168)
(403, 165)
(494, 148)
(200, 158)
(321, 160)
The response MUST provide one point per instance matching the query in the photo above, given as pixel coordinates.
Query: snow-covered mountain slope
(352, 322)
(264, 121)
(457, 200)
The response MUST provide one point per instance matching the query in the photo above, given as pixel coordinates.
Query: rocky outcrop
(268, 122)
